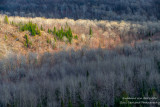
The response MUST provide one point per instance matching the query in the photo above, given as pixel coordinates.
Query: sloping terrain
(104, 62)
(86, 78)
(105, 34)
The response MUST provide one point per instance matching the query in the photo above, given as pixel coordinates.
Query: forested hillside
(85, 9)
(95, 78)
(79, 53)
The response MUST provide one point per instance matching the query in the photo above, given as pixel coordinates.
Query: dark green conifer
(90, 31)
(70, 103)
(62, 103)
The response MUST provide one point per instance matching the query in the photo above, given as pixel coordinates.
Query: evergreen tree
(6, 21)
(70, 103)
(44, 100)
(42, 28)
(33, 32)
(33, 28)
(95, 105)
(61, 30)
(49, 31)
(54, 30)
(98, 105)
(48, 40)
(27, 42)
(76, 37)
(79, 100)
(87, 74)
(105, 105)
(38, 32)
(90, 31)
(5, 37)
(158, 64)
(64, 33)
(55, 39)
(12, 23)
(57, 94)
(62, 103)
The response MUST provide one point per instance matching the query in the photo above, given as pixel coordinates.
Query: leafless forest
(84, 9)
(79, 53)
(82, 78)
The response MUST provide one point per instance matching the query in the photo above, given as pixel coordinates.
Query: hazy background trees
(86, 9)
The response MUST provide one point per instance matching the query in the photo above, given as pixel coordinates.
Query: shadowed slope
(82, 77)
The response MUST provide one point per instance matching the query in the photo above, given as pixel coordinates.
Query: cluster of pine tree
(63, 33)
(33, 28)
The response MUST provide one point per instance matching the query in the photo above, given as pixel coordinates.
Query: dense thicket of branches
(86, 9)
(81, 78)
